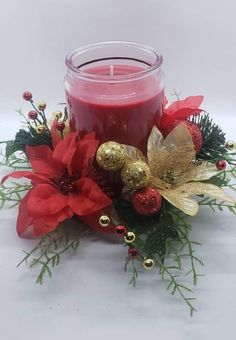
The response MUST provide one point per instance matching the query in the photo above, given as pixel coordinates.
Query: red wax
(120, 111)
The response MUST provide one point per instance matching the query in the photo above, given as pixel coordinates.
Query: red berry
(120, 229)
(133, 252)
(221, 165)
(27, 95)
(196, 135)
(33, 115)
(60, 126)
(146, 201)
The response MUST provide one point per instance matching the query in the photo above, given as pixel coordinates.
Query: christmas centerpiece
(130, 165)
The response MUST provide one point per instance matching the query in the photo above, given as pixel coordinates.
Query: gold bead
(40, 129)
(135, 174)
(41, 105)
(148, 263)
(104, 221)
(129, 237)
(230, 145)
(57, 114)
(111, 156)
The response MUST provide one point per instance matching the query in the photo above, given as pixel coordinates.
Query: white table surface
(88, 297)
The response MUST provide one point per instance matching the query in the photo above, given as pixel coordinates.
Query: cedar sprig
(129, 262)
(176, 247)
(48, 252)
(12, 194)
(175, 287)
(215, 205)
(14, 161)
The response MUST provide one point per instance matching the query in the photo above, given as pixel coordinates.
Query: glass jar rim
(155, 65)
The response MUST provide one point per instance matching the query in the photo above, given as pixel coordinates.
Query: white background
(89, 296)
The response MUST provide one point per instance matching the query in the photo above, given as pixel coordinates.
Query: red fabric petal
(56, 138)
(165, 122)
(186, 112)
(192, 102)
(35, 178)
(89, 198)
(179, 110)
(40, 158)
(88, 136)
(49, 223)
(65, 150)
(85, 149)
(23, 219)
(45, 200)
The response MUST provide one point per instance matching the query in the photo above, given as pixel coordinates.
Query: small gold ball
(41, 105)
(111, 156)
(40, 129)
(129, 237)
(230, 145)
(104, 221)
(57, 114)
(136, 174)
(148, 263)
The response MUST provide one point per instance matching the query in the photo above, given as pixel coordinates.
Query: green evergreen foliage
(48, 252)
(213, 148)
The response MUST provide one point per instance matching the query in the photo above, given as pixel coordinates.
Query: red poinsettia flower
(59, 188)
(178, 111)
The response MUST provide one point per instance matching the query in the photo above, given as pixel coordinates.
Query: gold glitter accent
(111, 156)
(135, 174)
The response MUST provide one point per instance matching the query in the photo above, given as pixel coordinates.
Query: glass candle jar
(115, 89)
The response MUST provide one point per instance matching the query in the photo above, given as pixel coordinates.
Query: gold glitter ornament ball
(111, 156)
(135, 174)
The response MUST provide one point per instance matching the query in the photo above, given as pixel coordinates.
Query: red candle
(116, 90)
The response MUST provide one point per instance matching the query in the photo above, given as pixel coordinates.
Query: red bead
(221, 165)
(120, 229)
(147, 201)
(32, 115)
(133, 252)
(60, 126)
(27, 95)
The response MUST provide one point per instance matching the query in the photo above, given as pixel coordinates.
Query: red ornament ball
(194, 130)
(133, 252)
(60, 126)
(33, 115)
(147, 201)
(196, 135)
(27, 95)
(120, 229)
(221, 165)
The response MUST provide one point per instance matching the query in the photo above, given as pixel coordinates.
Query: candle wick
(111, 70)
